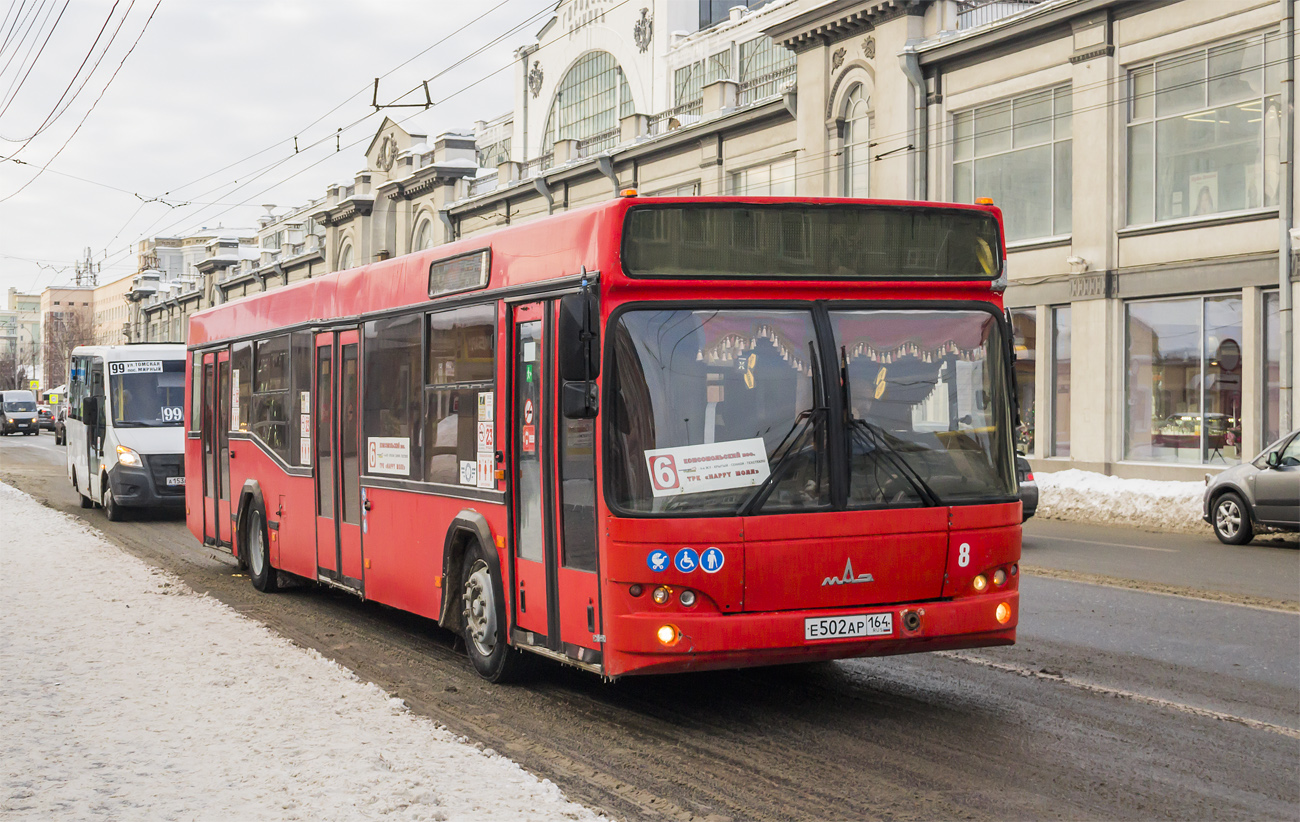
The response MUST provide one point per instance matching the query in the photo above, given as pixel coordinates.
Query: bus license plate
(176, 480)
(848, 626)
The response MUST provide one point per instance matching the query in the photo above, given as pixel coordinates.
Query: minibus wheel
(85, 501)
(259, 555)
(111, 509)
(484, 622)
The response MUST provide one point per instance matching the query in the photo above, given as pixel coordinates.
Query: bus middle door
(225, 521)
(338, 459)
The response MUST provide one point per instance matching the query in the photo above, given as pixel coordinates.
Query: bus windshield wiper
(878, 439)
(796, 430)
(792, 436)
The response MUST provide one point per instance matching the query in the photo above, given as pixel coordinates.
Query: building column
(1252, 371)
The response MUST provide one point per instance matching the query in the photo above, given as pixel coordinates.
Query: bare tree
(64, 331)
(10, 370)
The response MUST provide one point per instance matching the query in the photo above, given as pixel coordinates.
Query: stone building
(1140, 150)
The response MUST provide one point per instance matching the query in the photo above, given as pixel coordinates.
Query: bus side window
(96, 377)
(196, 392)
(76, 387)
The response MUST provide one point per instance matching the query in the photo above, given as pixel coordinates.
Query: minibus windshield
(147, 393)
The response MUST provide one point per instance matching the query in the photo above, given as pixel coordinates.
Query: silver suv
(1261, 494)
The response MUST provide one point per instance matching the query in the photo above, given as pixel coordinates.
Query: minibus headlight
(128, 457)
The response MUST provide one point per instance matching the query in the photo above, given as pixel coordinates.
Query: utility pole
(88, 271)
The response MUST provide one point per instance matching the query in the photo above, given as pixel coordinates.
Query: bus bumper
(711, 640)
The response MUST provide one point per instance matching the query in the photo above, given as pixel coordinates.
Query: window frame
(1055, 93)
(1134, 121)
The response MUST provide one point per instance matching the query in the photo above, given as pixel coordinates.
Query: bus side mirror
(579, 400)
(578, 341)
(90, 412)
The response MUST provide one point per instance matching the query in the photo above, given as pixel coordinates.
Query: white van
(18, 413)
(125, 428)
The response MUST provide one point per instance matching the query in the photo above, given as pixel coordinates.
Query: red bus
(652, 435)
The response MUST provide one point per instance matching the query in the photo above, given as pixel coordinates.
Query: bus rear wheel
(259, 555)
(484, 622)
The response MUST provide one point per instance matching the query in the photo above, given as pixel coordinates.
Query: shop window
(391, 407)
(1019, 153)
(1203, 133)
(1025, 331)
(269, 414)
(1061, 345)
(461, 374)
(1272, 368)
(1183, 391)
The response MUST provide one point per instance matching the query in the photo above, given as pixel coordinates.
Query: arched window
(857, 137)
(588, 103)
(423, 236)
(345, 257)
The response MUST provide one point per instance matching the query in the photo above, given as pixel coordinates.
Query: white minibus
(125, 431)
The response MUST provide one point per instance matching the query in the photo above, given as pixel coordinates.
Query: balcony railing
(764, 85)
(979, 12)
(666, 121)
(597, 143)
(537, 165)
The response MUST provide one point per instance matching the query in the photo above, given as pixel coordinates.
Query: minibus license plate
(848, 626)
(176, 480)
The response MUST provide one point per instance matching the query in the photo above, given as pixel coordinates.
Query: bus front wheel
(484, 622)
(112, 510)
(259, 555)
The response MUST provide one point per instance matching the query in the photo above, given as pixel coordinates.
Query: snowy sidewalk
(1152, 505)
(128, 696)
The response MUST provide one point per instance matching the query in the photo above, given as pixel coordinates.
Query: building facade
(1140, 150)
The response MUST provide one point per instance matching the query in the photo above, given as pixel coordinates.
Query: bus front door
(338, 459)
(211, 520)
(554, 488)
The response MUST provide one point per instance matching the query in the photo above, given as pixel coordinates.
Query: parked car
(1028, 488)
(45, 417)
(60, 429)
(1263, 494)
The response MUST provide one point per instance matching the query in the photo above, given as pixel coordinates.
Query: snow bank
(128, 696)
(1153, 505)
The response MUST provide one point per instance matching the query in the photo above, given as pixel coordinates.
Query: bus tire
(259, 551)
(484, 621)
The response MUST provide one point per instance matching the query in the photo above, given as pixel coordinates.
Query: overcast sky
(210, 83)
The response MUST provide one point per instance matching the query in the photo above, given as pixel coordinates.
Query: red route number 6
(663, 472)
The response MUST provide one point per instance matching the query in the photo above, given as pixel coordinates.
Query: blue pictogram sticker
(658, 560)
(712, 560)
(687, 560)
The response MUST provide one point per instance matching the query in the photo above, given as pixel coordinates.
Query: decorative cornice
(839, 20)
(345, 211)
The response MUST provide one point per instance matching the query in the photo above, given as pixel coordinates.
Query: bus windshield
(925, 415)
(720, 412)
(147, 394)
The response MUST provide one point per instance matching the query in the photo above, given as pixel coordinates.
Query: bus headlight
(128, 457)
(1002, 612)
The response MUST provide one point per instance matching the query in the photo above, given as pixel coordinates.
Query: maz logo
(848, 578)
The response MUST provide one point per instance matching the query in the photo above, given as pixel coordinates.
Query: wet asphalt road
(1117, 702)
